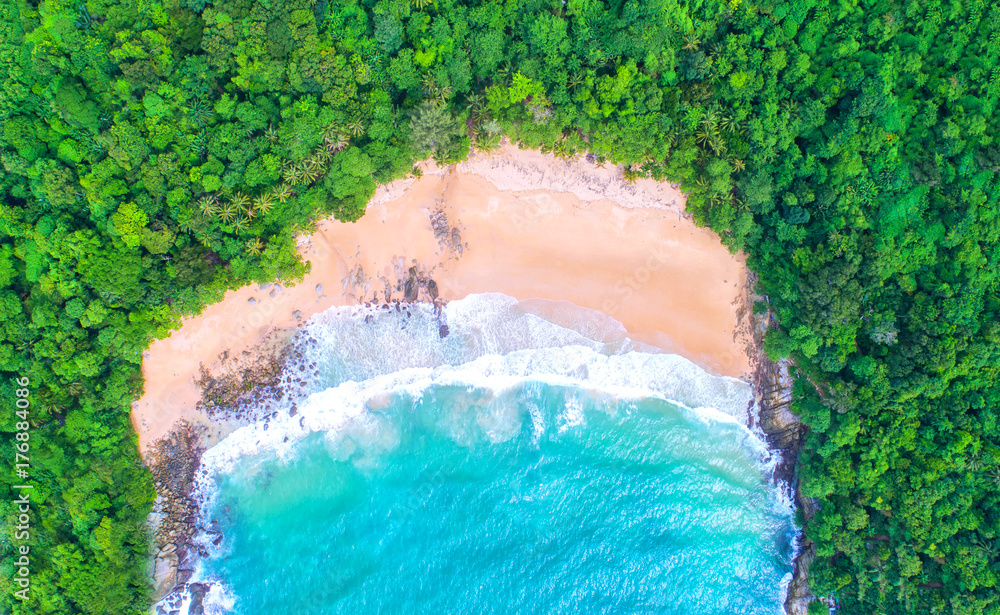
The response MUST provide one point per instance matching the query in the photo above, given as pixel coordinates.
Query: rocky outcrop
(241, 380)
(165, 567)
(173, 462)
(186, 598)
(784, 433)
(783, 429)
(799, 595)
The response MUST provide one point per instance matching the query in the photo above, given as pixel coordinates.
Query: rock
(164, 573)
(297, 314)
(411, 290)
(781, 425)
(252, 301)
(319, 289)
(798, 598)
(198, 591)
(271, 294)
(432, 289)
(443, 331)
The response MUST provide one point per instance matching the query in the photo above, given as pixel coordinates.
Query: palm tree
(336, 142)
(421, 4)
(717, 144)
(271, 134)
(85, 20)
(281, 193)
(486, 142)
(704, 135)
(228, 212)
(311, 175)
(255, 246)
(630, 175)
(51, 403)
(241, 224)
(208, 205)
(311, 164)
(293, 175)
(477, 102)
(730, 124)
(199, 112)
(505, 73)
(789, 106)
(562, 149)
(442, 94)
(341, 142)
(710, 120)
(739, 165)
(330, 132)
(357, 128)
(262, 204)
(240, 200)
(198, 144)
(691, 41)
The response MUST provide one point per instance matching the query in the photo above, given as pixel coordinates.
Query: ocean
(513, 465)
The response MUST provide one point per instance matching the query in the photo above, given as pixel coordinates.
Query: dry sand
(529, 226)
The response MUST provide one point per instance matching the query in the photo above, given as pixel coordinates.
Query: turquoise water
(499, 480)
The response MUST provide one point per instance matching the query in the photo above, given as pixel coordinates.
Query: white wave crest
(632, 375)
(361, 357)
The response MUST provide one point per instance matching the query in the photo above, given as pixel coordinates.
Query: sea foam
(363, 355)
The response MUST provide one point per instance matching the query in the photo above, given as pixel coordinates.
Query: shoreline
(454, 231)
(642, 262)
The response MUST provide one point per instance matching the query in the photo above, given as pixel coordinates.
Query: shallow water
(515, 466)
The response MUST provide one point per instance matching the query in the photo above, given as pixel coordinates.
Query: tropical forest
(157, 153)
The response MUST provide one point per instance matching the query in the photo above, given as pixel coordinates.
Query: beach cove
(517, 222)
(511, 252)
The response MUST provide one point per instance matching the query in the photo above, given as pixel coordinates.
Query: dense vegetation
(155, 153)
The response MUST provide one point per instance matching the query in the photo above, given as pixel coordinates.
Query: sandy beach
(516, 222)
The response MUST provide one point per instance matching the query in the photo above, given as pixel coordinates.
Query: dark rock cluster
(173, 461)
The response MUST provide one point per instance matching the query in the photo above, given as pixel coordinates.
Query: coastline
(528, 225)
(474, 228)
